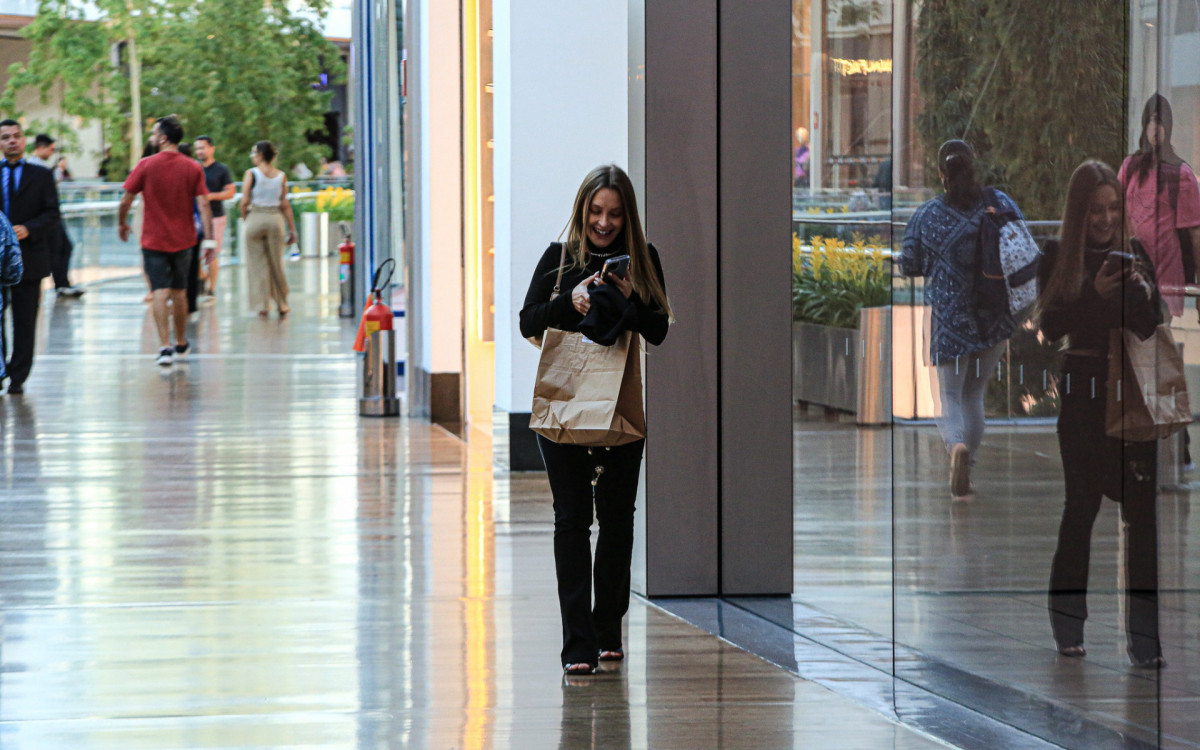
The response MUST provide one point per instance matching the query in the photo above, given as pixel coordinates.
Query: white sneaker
(166, 357)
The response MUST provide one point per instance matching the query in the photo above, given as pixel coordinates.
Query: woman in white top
(264, 208)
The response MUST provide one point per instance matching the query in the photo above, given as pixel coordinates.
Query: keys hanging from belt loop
(596, 479)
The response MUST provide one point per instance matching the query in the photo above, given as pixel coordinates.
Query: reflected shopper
(941, 243)
(1162, 200)
(1092, 280)
(604, 224)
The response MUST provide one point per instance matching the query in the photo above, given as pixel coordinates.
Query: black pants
(1095, 465)
(193, 280)
(588, 628)
(60, 257)
(23, 301)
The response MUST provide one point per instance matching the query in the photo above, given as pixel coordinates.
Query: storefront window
(955, 580)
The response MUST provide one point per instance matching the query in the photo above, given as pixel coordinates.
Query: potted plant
(840, 294)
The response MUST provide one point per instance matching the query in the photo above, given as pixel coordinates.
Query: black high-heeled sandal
(578, 669)
(1149, 662)
(617, 654)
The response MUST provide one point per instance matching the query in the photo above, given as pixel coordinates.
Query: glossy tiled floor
(222, 554)
(961, 587)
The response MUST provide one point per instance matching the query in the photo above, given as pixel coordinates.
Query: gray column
(718, 203)
(755, 281)
(682, 458)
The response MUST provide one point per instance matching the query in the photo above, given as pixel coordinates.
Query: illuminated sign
(860, 67)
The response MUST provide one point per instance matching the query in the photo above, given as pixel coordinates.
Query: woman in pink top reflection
(1162, 203)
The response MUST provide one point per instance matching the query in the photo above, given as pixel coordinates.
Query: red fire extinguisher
(346, 258)
(376, 315)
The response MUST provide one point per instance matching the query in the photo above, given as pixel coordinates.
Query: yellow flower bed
(832, 281)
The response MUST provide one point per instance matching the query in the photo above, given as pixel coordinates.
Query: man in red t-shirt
(170, 183)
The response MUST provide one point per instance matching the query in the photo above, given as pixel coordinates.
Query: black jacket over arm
(539, 313)
(35, 205)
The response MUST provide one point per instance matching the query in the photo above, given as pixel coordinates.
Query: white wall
(435, 93)
(561, 108)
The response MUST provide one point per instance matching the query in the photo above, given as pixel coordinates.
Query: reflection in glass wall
(977, 483)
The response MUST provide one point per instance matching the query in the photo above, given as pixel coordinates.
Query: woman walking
(264, 208)
(1094, 280)
(1162, 200)
(604, 224)
(941, 244)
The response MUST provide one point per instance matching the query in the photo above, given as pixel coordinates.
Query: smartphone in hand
(618, 266)
(1119, 260)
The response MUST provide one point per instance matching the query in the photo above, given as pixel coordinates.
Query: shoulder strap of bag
(562, 264)
(990, 199)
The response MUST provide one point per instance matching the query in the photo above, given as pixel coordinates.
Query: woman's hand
(291, 236)
(625, 285)
(579, 295)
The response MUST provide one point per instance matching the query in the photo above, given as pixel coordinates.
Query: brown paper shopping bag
(587, 393)
(1147, 394)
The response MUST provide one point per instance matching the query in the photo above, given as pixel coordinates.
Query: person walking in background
(29, 200)
(193, 274)
(1162, 201)
(265, 207)
(44, 150)
(940, 243)
(604, 224)
(329, 168)
(1093, 280)
(169, 183)
(58, 244)
(219, 180)
(800, 157)
(11, 269)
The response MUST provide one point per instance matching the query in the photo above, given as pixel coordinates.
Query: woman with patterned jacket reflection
(941, 243)
(1092, 280)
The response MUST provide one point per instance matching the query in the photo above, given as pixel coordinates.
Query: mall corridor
(223, 554)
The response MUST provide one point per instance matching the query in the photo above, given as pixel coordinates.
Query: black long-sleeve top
(1087, 321)
(540, 313)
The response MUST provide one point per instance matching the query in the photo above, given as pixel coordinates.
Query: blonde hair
(641, 268)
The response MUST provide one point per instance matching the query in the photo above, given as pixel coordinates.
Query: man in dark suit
(29, 199)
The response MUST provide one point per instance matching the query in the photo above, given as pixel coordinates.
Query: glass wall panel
(1021, 588)
(941, 535)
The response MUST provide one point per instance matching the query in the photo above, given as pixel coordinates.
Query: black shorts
(167, 270)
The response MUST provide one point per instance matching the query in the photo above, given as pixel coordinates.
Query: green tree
(1035, 89)
(238, 70)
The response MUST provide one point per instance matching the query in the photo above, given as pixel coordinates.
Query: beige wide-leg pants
(265, 235)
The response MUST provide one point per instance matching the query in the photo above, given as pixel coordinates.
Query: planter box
(846, 369)
(825, 365)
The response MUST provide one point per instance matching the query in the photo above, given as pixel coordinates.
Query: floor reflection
(222, 554)
(961, 588)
